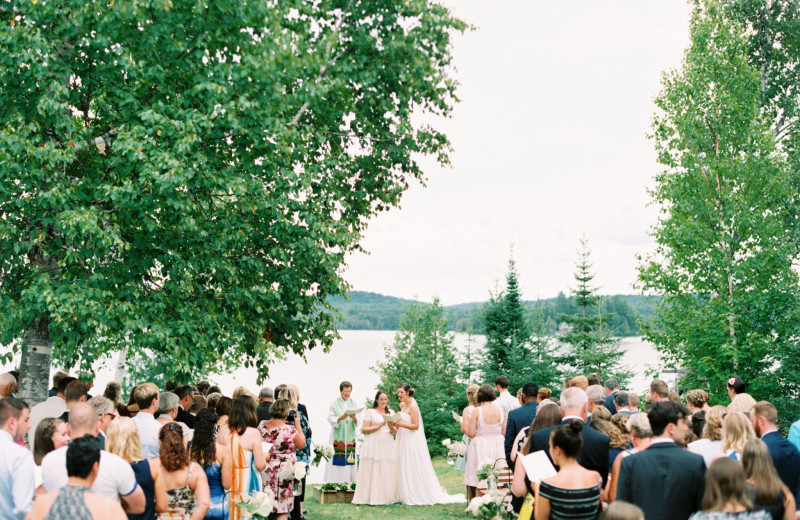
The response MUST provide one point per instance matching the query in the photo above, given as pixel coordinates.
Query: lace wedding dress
(418, 484)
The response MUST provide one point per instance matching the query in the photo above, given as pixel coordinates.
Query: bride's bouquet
(258, 504)
(322, 451)
(489, 506)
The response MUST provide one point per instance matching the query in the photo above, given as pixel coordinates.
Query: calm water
(351, 358)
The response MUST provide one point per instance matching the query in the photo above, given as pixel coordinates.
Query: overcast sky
(550, 142)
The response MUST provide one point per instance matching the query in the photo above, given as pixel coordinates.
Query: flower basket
(334, 493)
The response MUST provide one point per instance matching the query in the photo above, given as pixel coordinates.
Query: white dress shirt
(16, 479)
(114, 479)
(148, 433)
(506, 402)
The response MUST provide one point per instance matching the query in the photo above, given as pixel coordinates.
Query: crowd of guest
(184, 451)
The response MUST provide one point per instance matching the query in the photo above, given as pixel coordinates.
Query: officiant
(343, 421)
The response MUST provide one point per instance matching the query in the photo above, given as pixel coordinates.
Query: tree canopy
(186, 177)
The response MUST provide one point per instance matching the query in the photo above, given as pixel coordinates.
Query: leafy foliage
(727, 136)
(186, 177)
(423, 356)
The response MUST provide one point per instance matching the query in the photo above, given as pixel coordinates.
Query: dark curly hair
(204, 449)
(172, 453)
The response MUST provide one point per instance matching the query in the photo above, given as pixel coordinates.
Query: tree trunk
(122, 365)
(35, 366)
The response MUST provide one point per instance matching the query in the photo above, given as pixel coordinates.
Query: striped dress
(572, 504)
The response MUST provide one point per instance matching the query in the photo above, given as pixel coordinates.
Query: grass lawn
(451, 479)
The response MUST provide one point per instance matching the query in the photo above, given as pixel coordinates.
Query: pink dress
(487, 445)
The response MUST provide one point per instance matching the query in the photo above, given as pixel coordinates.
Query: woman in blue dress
(215, 460)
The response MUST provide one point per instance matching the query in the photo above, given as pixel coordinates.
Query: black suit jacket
(262, 411)
(185, 417)
(665, 480)
(517, 420)
(593, 455)
(787, 460)
(610, 404)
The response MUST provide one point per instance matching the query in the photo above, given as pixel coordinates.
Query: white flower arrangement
(486, 470)
(457, 449)
(258, 504)
(490, 505)
(322, 452)
(294, 471)
(446, 442)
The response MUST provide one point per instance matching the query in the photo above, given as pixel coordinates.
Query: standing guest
(544, 393)
(735, 386)
(247, 457)
(575, 491)
(168, 410)
(57, 377)
(520, 418)
(203, 387)
(659, 391)
(597, 396)
(377, 473)
(698, 420)
(736, 430)
(461, 462)
(697, 401)
(198, 403)
(486, 430)
(611, 389)
(741, 403)
(665, 480)
(594, 379)
(785, 456)
(52, 407)
(115, 479)
(303, 454)
(622, 511)
(241, 390)
(75, 500)
(74, 393)
(581, 382)
(505, 401)
(145, 397)
(618, 441)
(133, 408)
(214, 389)
(8, 385)
(794, 434)
(634, 402)
(726, 494)
(222, 430)
(765, 489)
(710, 445)
(187, 487)
(215, 459)
(265, 400)
(622, 403)
(185, 400)
(342, 468)
(17, 482)
(113, 392)
(641, 437)
(595, 447)
(285, 439)
(51, 434)
(106, 412)
(213, 399)
(123, 441)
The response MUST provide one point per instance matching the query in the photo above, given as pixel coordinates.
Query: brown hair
(43, 438)
(345, 384)
(279, 409)
(617, 438)
(697, 398)
(485, 394)
(172, 453)
(243, 414)
(659, 388)
(224, 406)
(601, 412)
(544, 393)
(759, 468)
(471, 391)
(75, 390)
(581, 382)
(766, 410)
(725, 482)
(713, 428)
(546, 416)
(144, 394)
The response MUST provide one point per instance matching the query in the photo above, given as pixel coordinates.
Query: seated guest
(785, 456)
(664, 480)
(726, 494)
(115, 478)
(765, 489)
(123, 441)
(75, 500)
(188, 496)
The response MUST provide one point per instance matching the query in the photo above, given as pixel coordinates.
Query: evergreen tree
(509, 332)
(592, 345)
(423, 356)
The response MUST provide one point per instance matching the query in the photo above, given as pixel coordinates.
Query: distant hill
(372, 311)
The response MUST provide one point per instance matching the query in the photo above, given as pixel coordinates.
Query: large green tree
(727, 134)
(186, 177)
(593, 344)
(423, 356)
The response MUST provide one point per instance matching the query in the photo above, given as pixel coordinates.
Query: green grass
(451, 479)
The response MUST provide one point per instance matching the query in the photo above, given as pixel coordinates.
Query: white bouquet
(446, 442)
(457, 449)
(258, 504)
(294, 471)
(322, 451)
(488, 506)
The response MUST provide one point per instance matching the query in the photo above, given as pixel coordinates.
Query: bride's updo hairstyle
(378, 396)
(568, 438)
(485, 394)
(408, 389)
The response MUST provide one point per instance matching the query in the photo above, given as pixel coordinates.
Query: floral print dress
(281, 455)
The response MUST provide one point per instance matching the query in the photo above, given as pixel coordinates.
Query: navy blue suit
(786, 459)
(610, 404)
(517, 420)
(593, 455)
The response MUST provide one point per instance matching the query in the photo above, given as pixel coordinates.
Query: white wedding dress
(417, 481)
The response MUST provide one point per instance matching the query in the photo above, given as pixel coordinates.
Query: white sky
(550, 141)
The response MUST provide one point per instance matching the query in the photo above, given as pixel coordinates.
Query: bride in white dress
(417, 481)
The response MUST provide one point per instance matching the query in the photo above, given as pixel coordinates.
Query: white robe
(339, 474)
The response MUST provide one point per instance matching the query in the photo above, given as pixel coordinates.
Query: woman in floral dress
(285, 440)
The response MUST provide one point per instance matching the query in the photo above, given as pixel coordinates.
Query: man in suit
(597, 397)
(265, 399)
(665, 480)
(594, 452)
(612, 387)
(521, 418)
(185, 400)
(784, 454)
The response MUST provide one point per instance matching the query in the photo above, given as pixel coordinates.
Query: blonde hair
(742, 403)
(472, 393)
(713, 428)
(581, 382)
(241, 390)
(122, 439)
(736, 431)
(289, 392)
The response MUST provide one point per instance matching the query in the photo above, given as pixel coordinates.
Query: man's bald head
(82, 420)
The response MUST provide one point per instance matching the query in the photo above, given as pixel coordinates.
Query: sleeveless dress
(219, 505)
(281, 455)
(417, 481)
(461, 462)
(141, 470)
(486, 445)
(776, 511)
(246, 478)
(572, 504)
(377, 469)
(69, 504)
(180, 501)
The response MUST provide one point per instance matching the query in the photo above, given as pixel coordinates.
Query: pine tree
(592, 346)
